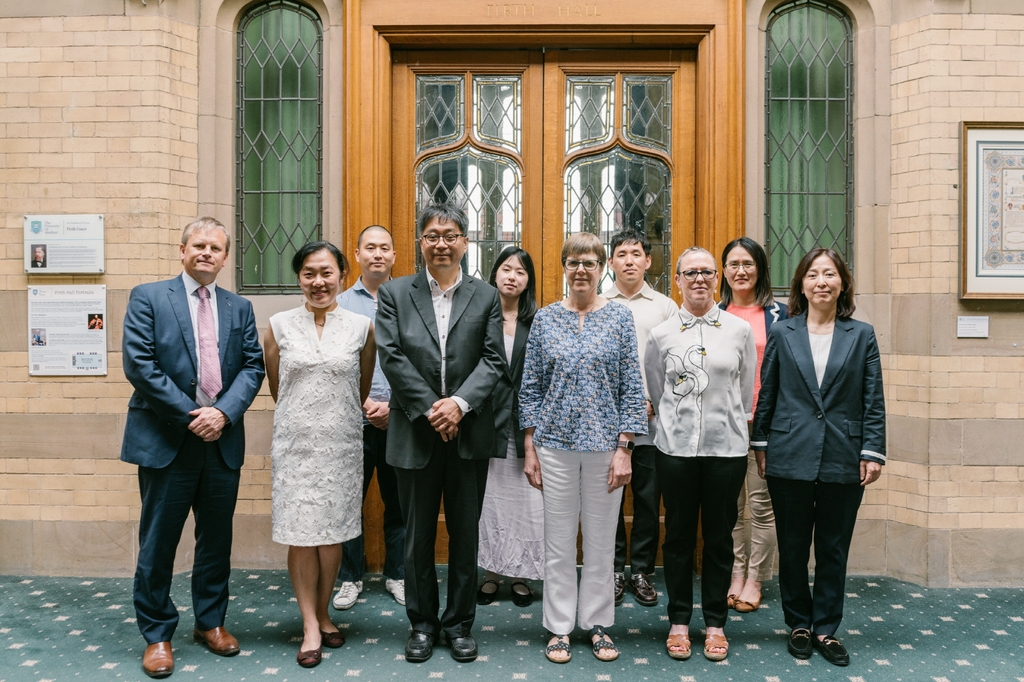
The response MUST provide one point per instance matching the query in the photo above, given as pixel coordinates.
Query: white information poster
(63, 244)
(67, 330)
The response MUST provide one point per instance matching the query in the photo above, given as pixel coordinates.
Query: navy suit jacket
(160, 361)
(410, 356)
(811, 433)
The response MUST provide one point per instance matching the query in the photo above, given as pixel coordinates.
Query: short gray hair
(202, 225)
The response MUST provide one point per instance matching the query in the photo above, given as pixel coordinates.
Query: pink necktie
(209, 358)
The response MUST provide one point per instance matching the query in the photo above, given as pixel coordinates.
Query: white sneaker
(347, 595)
(397, 589)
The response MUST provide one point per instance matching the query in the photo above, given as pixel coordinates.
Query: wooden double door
(536, 145)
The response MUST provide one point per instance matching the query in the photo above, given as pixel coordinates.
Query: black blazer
(506, 395)
(812, 433)
(410, 357)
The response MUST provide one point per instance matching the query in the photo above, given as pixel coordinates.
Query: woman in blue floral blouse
(581, 402)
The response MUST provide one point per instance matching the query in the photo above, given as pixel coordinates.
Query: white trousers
(575, 494)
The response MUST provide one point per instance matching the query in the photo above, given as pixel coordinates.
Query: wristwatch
(626, 445)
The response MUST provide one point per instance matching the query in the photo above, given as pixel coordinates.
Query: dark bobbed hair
(845, 306)
(299, 259)
(763, 287)
(629, 237)
(527, 299)
(444, 214)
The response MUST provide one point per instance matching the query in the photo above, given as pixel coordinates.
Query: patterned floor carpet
(84, 629)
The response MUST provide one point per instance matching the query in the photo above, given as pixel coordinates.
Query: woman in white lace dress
(319, 365)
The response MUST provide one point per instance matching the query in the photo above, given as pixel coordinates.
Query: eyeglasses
(691, 275)
(588, 265)
(433, 238)
(736, 266)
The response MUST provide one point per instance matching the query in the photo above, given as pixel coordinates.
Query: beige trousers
(753, 539)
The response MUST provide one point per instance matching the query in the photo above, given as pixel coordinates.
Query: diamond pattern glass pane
(488, 186)
(808, 131)
(646, 110)
(439, 110)
(279, 142)
(589, 107)
(497, 111)
(618, 189)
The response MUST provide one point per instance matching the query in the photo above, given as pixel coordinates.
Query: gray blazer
(812, 433)
(410, 356)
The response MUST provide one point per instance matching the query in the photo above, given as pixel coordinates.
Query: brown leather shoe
(158, 661)
(219, 641)
(643, 590)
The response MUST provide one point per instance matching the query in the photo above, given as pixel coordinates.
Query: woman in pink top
(747, 293)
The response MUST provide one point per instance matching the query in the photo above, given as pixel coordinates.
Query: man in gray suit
(439, 339)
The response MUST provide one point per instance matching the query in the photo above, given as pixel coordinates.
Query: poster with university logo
(63, 244)
(67, 330)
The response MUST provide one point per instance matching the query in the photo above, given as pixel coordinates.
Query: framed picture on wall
(992, 210)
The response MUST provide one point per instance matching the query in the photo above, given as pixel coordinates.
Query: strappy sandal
(682, 644)
(730, 601)
(716, 642)
(561, 644)
(602, 643)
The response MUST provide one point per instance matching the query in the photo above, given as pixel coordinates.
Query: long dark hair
(798, 302)
(527, 299)
(763, 286)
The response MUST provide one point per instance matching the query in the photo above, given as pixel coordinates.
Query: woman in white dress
(319, 366)
(512, 521)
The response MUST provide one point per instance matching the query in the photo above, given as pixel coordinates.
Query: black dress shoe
(419, 647)
(520, 598)
(800, 643)
(643, 590)
(463, 648)
(832, 650)
(485, 597)
(620, 588)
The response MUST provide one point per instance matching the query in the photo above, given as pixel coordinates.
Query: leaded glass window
(280, 102)
(480, 176)
(621, 188)
(808, 134)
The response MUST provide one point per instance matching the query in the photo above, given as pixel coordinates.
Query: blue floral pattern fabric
(581, 389)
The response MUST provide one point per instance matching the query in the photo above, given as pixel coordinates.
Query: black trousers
(198, 480)
(826, 513)
(643, 540)
(706, 488)
(461, 483)
(353, 557)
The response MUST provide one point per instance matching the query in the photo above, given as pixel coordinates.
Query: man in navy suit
(192, 353)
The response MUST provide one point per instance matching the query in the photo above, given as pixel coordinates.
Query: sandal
(716, 642)
(682, 644)
(730, 601)
(602, 643)
(561, 644)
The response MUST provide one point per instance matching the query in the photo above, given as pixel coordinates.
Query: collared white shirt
(191, 287)
(650, 308)
(702, 383)
(442, 300)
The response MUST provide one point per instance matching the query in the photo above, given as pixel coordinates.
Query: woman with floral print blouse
(581, 402)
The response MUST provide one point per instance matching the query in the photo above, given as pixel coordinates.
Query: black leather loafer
(620, 588)
(419, 647)
(800, 643)
(463, 648)
(832, 650)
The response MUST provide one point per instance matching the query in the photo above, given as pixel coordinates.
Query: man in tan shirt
(630, 258)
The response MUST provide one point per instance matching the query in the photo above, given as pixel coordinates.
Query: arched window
(808, 134)
(280, 113)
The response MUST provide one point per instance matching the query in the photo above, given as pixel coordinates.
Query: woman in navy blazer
(819, 438)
